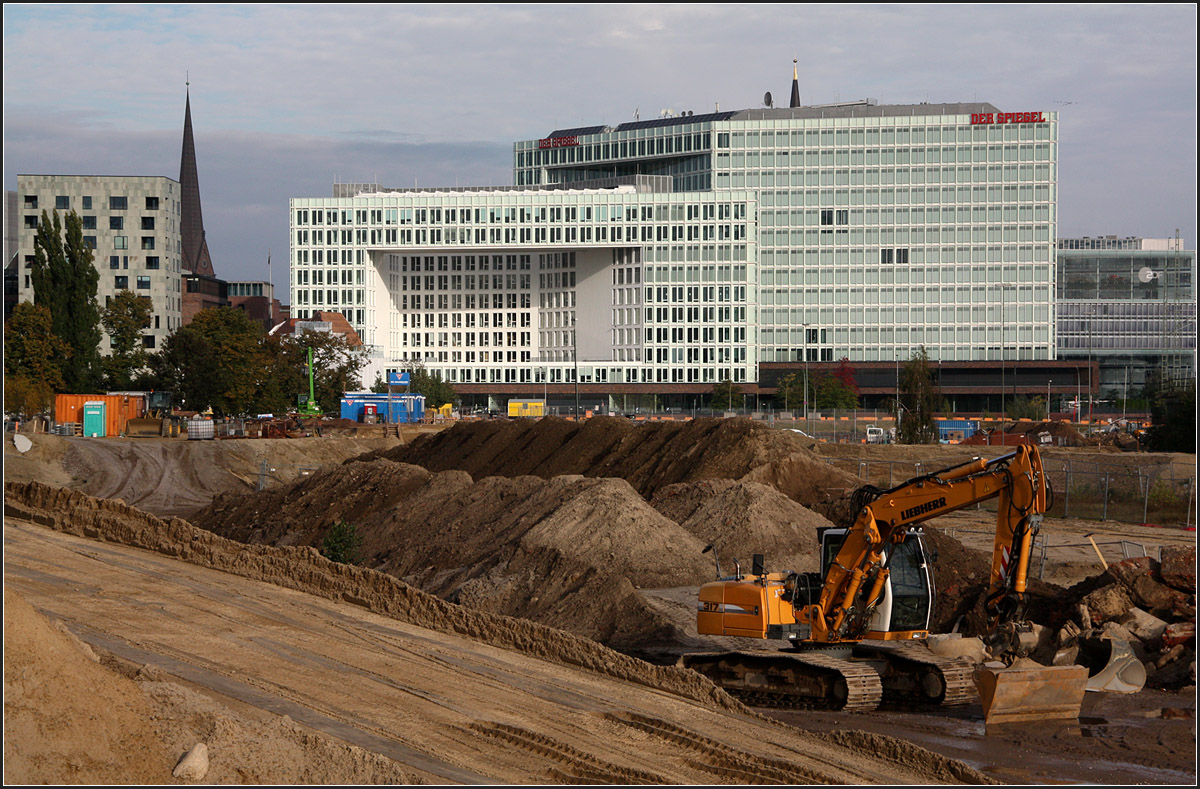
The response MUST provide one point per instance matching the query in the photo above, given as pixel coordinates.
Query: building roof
(337, 325)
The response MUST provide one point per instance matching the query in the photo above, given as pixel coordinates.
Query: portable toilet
(94, 419)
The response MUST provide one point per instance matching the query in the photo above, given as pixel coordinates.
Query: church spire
(191, 221)
(795, 85)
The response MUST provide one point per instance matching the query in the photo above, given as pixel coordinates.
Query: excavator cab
(906, 605)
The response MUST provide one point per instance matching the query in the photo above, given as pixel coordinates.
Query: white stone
(194, 764)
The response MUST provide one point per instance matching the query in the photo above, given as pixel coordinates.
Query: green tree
(831, 391)
(436, 391)
(126, 315)
(790, 392)
(218, 361)
(33, 360)
(65, 281)
(1173, 413)
(725, 396)
(1026, 408)
(337, 367)
(919, 401)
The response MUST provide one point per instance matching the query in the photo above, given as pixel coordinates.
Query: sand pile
(304, 569)
(649, 456)
(569, 552)
(741, 519)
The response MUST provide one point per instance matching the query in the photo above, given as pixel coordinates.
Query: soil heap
(649, 456)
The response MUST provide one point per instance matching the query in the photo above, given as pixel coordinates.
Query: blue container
(405, 408)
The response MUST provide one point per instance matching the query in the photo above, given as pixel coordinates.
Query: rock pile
(1149, 603)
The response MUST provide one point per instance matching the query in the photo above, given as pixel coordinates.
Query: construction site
(524, 601)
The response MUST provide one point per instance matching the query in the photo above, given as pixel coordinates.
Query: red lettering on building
(978, 118)
(558, 142)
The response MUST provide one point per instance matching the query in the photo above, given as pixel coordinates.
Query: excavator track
(805, 680)
(911, 674)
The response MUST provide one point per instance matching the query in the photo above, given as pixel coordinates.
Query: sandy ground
(352, 695)
(249, 667)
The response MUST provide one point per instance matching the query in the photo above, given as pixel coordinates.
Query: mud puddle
(1118, 739)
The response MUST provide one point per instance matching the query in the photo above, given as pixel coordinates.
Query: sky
(289, 99)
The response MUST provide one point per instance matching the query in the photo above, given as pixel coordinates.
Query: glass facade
(690, 248)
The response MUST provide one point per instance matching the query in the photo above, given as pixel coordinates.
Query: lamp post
(575, 358)
(1048, 382)
(805, 329)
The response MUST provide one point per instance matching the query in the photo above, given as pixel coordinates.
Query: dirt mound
(569, 552)
(743, 518)
(649, 456)
(306, 570)
(67, 718)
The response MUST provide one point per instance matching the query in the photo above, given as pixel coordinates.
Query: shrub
(342, 543)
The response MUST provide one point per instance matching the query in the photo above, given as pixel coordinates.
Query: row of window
(115, 203)
(517, 215)
(885, 157)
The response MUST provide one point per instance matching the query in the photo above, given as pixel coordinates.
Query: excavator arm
(855, 580)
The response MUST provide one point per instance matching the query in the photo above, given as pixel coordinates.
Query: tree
(33, 360)
(337, 366)
(831, 391)
(1173, 412)
(789, 394)
(725, 396)
(216, 361)
(919, 401)
(1026, 408)
(124, 319)
(65, 281)
(436, 391)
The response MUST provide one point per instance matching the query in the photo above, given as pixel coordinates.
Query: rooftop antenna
(637, 113)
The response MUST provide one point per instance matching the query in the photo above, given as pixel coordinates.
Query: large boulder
(1140, 578)
(1178, 567)
(1106, 604)
(1146, 627)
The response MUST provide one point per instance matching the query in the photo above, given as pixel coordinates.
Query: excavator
(856, 631)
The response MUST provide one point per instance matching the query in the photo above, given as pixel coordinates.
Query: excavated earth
(591, 535)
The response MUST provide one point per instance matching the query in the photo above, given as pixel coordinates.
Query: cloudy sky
(286, 100)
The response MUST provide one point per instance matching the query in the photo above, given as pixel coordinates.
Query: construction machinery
(308, 404)
(160, 418)
(856, 630)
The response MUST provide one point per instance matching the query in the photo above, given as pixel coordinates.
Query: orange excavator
(856, 631)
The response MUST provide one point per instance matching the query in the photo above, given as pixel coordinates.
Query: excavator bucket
(1112, 666)
(1027, 691)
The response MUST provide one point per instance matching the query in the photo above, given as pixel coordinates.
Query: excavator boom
(837, 630)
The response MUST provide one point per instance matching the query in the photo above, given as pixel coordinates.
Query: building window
(147, 242)
(147, 340)
(31, 201)
(121, 283)
(827, 216)
(31, 221)
(118, 203)
(89, 223)
(143, 283)
(116, 223)
(114, 261)
(90, 241)
(151, 203)
(62, 203)
(120, 242)
(147, 223)
(87, 203)
(152, 261)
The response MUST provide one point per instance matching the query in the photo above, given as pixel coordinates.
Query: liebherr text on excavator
(856, 629)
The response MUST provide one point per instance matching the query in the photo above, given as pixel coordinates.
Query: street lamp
(1048, 382)
(805, 328)
(575, 358)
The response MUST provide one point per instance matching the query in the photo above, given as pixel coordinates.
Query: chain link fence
(1153, 494)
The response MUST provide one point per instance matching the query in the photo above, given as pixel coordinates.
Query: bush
(342, 543)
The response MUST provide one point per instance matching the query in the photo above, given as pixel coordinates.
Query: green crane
(308, 405)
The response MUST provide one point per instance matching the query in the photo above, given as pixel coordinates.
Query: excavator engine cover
(1027, 691)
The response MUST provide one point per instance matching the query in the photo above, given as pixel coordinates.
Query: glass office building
(689, 248)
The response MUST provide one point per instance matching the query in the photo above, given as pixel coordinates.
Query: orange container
(119, 409)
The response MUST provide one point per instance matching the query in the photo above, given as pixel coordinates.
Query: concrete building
(257, 300)
(690, 248)
(1130, 304)
(131, 223)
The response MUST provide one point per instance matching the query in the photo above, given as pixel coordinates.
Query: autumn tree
(790, 392)
(65, 282)
(124, 319)
(33, 360)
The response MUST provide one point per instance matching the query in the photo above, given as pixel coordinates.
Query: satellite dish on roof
(1146, 274)
(767, 100)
